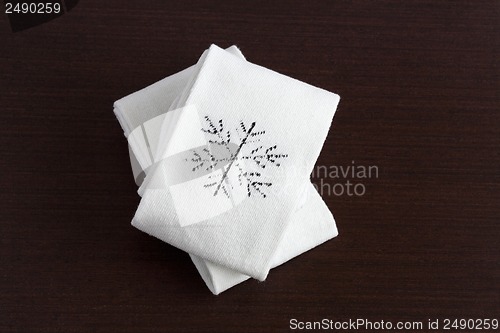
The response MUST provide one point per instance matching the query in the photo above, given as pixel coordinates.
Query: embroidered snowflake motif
(224, 151)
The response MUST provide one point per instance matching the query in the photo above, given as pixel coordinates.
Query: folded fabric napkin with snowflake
(227, 166)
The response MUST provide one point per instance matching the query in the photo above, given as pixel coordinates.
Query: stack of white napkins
(222, 152)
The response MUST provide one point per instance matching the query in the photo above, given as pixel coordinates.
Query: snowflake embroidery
(227, 152)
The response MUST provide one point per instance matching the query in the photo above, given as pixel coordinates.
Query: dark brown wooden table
(419, 83)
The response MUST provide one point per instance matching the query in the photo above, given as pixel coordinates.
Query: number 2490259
(33, 8)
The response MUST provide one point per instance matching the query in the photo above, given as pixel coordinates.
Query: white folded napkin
(300, 236)
(247, 219)
(311, 225)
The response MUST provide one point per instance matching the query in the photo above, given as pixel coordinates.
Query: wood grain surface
(419, 82)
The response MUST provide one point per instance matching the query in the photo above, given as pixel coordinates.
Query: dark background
(419, 83)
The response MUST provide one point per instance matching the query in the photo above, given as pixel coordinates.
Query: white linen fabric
(254, 207)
